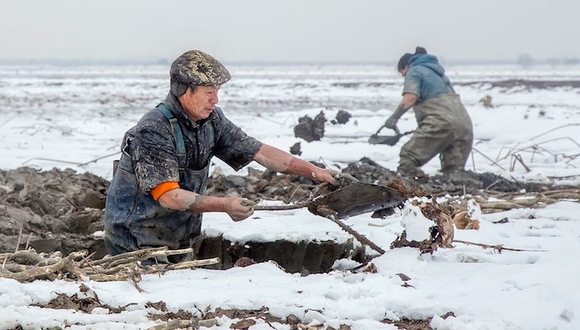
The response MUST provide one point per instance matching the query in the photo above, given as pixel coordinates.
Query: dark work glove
(392, 122)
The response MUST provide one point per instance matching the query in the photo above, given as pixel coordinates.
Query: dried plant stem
(42, 272)
(497, 247)
(18, 241)
(361, 238)
(28, 265)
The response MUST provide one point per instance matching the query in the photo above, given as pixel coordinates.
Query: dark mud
(158, 311)
(60, 210)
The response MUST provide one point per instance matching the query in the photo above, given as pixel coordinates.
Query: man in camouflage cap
(156, 197)
(196, 68)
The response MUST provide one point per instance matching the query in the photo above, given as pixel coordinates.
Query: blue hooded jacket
(426, 78)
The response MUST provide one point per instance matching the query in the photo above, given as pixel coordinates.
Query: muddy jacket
(133, 219)
(426, 78)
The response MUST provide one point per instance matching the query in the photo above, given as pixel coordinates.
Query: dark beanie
(404, 60)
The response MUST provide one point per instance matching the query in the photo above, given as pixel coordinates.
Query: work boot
(413, 174)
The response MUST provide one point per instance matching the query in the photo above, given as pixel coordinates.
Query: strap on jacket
(177, 135)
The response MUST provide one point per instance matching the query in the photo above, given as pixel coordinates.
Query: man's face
(199, 104)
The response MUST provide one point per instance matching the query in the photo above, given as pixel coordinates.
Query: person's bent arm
(407, 102)
(278, 160)
(188, 201)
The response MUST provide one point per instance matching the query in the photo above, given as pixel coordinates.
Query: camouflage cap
(197, 68)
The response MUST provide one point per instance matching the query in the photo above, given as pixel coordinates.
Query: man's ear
(178, 89)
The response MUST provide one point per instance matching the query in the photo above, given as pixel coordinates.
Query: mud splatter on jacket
(133, 219)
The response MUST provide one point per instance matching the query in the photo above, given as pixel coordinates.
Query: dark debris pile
(61, 209)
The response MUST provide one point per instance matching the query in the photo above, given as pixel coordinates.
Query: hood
(429, 61)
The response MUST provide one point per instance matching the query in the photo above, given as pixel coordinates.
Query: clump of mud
(460, 183)
(310, 129)
(56, 210)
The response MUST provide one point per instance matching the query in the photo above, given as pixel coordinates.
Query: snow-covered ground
(75, 117)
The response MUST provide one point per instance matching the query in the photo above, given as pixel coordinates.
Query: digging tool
(340, 202)
(390, 140)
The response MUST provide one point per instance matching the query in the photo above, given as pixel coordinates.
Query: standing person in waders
(444, 126)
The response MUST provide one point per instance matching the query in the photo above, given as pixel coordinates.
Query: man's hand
(408, 101)
(238, 208)
(324, 175)
(343, 179)
(392, 122)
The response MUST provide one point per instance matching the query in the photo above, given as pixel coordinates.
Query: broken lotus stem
(497, 247)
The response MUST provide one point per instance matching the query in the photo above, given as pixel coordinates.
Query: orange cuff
(162, 188)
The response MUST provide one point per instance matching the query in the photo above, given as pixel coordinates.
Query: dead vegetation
(61, 210)
(28, 265)
(88, 301)
(57, 212)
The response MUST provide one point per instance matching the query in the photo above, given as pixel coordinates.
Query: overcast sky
(288, 31)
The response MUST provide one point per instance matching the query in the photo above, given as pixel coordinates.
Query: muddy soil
(60, 210)
(185, 320)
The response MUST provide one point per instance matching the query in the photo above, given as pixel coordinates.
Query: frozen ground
(75, 117)
(54, 116)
